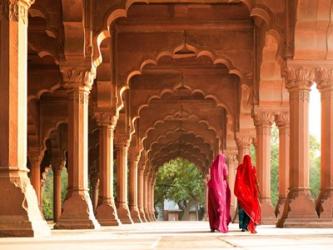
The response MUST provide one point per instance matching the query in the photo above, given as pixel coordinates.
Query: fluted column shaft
(106, 212)
(263, 121)
(284, 149)
(324, 202)
(122, 166)
(300, 208)
(20, 214)
(77, 209)
(146, 195)
(133, 194)
(141, 194)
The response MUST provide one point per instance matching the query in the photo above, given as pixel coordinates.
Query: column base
(106, 215)
(148, 216)
(135, 215)
(124, 214)
(279, 207)
(20, 215)
(324, 207)
(77, 213)
(299, 210)
(267, 212)
(143, 216)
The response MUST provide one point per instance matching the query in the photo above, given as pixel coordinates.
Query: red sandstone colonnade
(111, 90)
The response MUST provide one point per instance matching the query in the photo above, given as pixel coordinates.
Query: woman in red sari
(219, 196)
(246, 191)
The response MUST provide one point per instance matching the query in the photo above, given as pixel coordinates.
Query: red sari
(219, 196)
(246, 190)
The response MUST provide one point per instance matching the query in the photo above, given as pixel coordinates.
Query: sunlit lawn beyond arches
(182, 182)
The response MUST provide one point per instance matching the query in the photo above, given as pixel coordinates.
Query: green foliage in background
(47, 192)
(181, 181)
(314, 156)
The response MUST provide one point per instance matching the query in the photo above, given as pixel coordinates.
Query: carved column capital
(282, 119)
(122, 140)
(78, 78)
(15, 10)
(299, 76)
(35, 156)
(106, 119)
(325, 78)
(244, 140)
(232, 155)
(263, 118)
(58, 164)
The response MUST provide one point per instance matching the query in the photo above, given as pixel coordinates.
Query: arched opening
(48, 191)
(275, 164)
(314, 140)
(179, 191)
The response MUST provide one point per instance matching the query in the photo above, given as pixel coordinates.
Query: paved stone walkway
(174, 235)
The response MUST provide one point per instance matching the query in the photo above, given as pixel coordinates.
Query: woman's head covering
(219, 195)
(246, 190)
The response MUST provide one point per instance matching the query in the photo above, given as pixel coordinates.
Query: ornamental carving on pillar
(263, 118)
(299, 76)
(15, 11)
(282, 119)
(78, 78)
(106, 119)
(324, 78)
(232, 156)
(244, 141)
(122, 139)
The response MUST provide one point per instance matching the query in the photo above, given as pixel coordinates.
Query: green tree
(47, 192)
(181, 181)
(274, 165)
(314, 156)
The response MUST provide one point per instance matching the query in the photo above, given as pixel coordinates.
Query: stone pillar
(141, 195)
(282, 121)
(122, 158)
(20, 214)
(263, 121)
(133, 194)
(153, 198)
(35, 176)
(324, 202)
(77, 208)
(232, 164)
(243, 144)
(150, 196)
(146, 195)
(106, 212)
(299, 210)
(205, 216)
(57, 166)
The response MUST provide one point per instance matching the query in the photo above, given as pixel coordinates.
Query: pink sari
(219, 196)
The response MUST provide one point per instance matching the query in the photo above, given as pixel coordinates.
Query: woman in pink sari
(219, 196)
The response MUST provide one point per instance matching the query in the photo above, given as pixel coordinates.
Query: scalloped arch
(156, 140)
(162, 137)
(112, 15)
